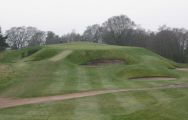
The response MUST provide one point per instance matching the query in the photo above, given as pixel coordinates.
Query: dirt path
(61, 55)
(12, 102)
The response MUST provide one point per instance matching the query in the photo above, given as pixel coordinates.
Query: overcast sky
(62, 16)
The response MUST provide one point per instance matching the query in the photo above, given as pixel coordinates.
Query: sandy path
(183, 69)
(61, 55)
(12, 102)
(154, 78)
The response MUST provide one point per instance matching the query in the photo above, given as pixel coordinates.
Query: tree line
(169, 42)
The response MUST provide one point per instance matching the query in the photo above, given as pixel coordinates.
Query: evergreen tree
(3, 43)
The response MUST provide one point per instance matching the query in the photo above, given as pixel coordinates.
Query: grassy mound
(139, 62)
(59, 69)
(40, 75)
(15, 55)
(43, 54)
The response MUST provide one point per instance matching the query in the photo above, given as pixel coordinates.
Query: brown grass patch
(4, 70)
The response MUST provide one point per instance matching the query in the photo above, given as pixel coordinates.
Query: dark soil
(104, 62)
(153, 78)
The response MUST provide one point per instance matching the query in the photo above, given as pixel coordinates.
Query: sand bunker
(183, 69)
(104, 62)
(154, 78)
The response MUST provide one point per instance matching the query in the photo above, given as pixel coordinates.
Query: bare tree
(93, 33)
(3, 44)
(71, 37)
(171, 43)
(116, 27)
(52, 38)
(19, 37)
(118, 24)
(37, 39)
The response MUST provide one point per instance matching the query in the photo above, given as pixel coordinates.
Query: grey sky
(61, 16)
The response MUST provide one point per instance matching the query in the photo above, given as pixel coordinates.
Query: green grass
(149, 105)
(36, 75)
(12, 56)
(43, 54)
(32, 73)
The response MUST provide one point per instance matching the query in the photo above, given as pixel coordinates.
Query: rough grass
(15, 55)
(61, 55)
(44, 54)
(84, 56)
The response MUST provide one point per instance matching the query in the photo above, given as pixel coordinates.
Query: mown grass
(33, 74)
(149, 105)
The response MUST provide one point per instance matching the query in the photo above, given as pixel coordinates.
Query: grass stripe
(110, 106)
(70, 84)
(174, 93)
(59, 79)
(145, 98)
(109, 81)
(160, 96)
(87, 109)
(35, 82)
(129, 102)
(94, 78)
(83, 80)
